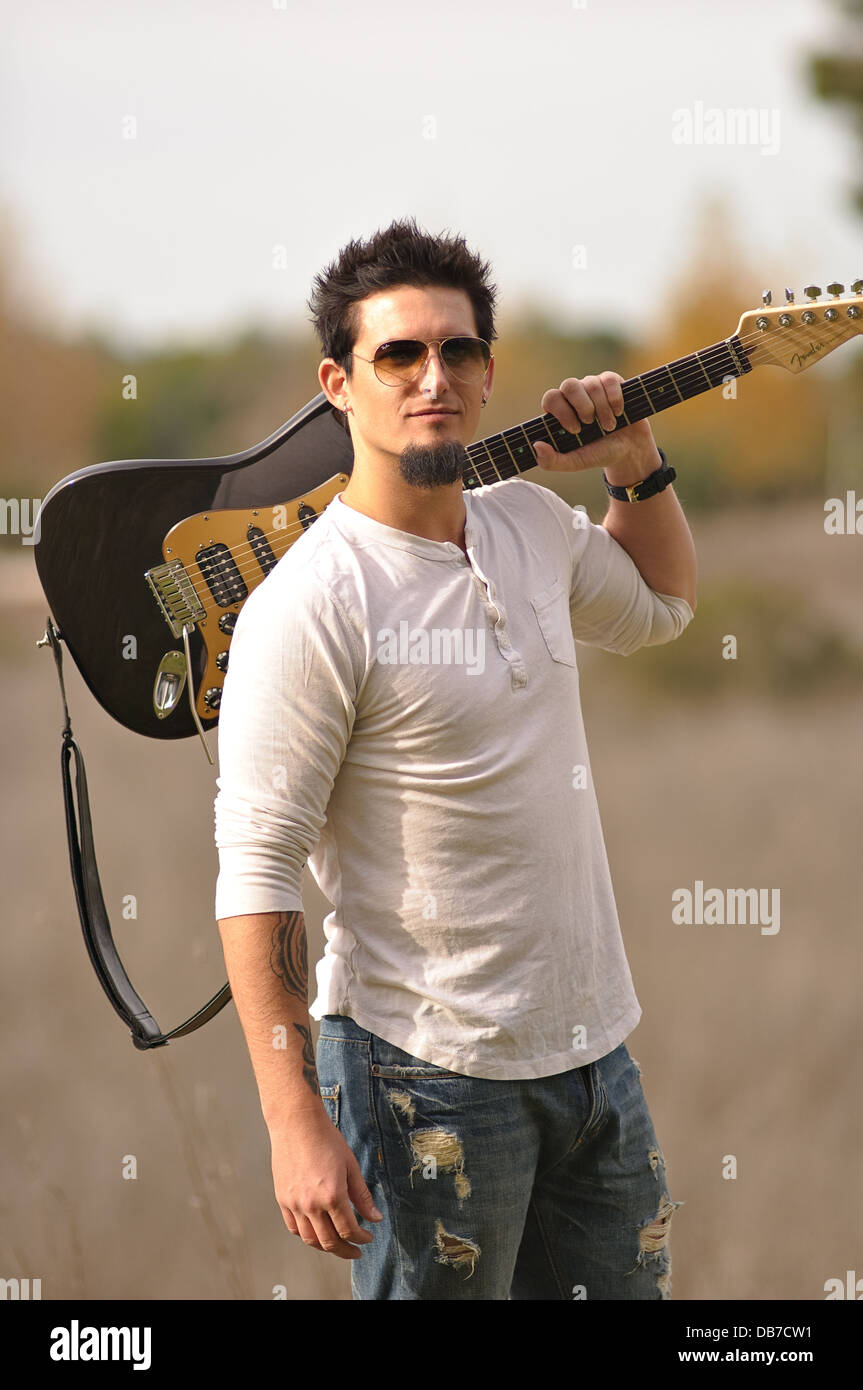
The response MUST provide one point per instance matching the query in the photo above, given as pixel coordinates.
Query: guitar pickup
(175, 595)
(261, 548)
(224, 580)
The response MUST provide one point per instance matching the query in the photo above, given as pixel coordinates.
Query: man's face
(424, 423)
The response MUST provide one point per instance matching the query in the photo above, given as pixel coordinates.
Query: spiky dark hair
(400, 254)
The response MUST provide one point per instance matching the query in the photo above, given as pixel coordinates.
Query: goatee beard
(433, 465)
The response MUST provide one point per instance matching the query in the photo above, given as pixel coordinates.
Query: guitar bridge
(175, 595)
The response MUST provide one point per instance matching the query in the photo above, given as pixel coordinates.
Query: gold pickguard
(281, 526)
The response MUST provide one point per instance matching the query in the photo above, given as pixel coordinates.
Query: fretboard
(510, 452)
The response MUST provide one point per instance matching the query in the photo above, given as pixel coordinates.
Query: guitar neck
(511, 452)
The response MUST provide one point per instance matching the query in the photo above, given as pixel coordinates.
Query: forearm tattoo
(310, 1075)
(288, 954)
(290, 962)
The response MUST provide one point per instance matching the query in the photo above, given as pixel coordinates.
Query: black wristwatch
(648, 487)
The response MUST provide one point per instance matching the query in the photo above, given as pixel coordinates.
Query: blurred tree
(49, 388)
(838, 76)
(761, 436)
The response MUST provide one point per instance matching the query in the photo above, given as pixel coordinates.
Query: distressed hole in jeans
(455, 1250)
(401, 1101)
(443, 1150)
(654, 1236)
(653, 1244)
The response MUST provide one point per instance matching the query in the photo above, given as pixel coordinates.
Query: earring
(485, 400)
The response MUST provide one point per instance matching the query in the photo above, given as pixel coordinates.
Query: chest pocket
(551, 607)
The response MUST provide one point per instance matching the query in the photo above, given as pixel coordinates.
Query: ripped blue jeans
(551, 1188)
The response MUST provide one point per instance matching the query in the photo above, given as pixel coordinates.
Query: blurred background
(173, 177)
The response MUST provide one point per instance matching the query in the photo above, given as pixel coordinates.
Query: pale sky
(532, 128)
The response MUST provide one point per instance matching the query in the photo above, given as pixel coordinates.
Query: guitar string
(253, 567)
(481, 466)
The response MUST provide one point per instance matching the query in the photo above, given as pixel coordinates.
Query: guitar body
(146, 563)
(103, 529)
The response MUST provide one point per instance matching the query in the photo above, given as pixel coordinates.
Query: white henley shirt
(407, 719)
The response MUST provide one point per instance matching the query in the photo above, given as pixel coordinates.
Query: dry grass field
(748, 1042)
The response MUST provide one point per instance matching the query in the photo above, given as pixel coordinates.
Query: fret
(508, 464)
(636, 400)
(704, 370)
(539, 428)
(717, 363)
(512, 451)
(529, 450)
(561, 438)
(680, 373)
(471, 476)
(485, 445)
(659, 388)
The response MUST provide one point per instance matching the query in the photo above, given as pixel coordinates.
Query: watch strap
(648, 487)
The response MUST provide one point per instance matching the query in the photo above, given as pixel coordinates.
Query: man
(402, 710)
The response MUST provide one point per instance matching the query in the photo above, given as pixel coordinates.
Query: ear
(333, 380)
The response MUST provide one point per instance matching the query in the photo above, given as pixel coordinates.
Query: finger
(306, 1231)
(597, 390)
(612, 381)
(319, 1233)
(359, 1193)
(570, 404)
(346, 1225)
(329, 1240)
(546, 457)
(290, 1221)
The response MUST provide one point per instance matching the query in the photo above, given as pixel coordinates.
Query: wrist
(289, 1119)
(643, 488)
(633, 470)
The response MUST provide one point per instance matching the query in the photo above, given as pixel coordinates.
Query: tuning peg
(767, 297)
(812, 291)
(789, 296)
(835, 289)
(857, 286)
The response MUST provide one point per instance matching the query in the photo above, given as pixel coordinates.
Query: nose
(433, 376)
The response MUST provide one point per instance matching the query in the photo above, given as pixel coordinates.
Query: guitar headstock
(794, 336)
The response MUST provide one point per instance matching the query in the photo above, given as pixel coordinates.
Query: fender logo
(798, 358)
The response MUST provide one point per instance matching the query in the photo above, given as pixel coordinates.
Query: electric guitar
(146, 563)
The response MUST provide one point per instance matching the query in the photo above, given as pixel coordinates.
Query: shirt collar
(357, 526)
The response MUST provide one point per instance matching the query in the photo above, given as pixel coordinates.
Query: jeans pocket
(393, 1063)
(331, 1097)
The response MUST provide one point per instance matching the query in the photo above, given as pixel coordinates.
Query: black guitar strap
(91, 903)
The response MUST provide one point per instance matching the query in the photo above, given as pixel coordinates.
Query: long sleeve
(611, 605)
(285, 720)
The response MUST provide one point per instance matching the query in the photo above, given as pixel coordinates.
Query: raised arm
(654, 533)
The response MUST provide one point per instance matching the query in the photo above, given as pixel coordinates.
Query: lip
(417, 413)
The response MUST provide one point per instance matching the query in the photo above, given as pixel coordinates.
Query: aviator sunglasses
(396, 362)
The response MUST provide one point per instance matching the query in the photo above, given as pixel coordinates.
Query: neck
(379, 491)
(510, 452)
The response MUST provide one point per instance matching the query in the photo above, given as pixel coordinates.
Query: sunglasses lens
(395, 362)
(466, 358)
